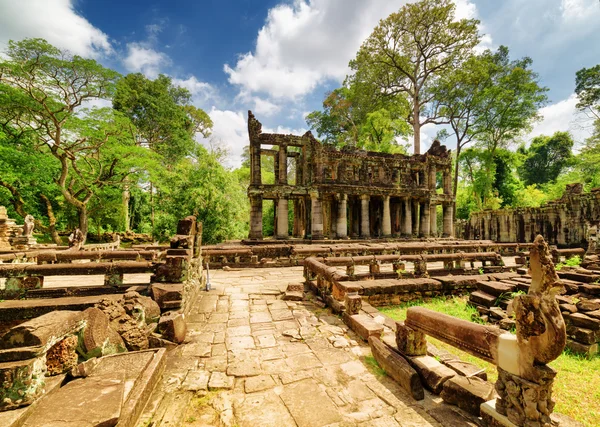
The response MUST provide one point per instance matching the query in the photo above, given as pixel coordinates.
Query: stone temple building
(348, 193)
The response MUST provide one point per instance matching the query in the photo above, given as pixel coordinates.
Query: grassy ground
(577, 385)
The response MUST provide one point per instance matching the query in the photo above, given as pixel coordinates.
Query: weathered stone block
(363, 325)
(353, 303)
(409, 341)
(162, 293)
(588, 350)
(583, 321)
(98, 338)
(43, 330)
(467, 393)
(172, 326)
(432, 373)
(62, 356)
(21, 382)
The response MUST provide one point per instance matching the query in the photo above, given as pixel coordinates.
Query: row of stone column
(419, 218)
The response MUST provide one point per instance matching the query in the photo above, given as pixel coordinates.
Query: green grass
(374, 367)
(577, 385)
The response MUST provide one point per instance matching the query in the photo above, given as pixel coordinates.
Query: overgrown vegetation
(577, 385)
(574, 261)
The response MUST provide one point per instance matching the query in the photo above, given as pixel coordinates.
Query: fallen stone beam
(63, 256)
(397, 367)
(91, 268)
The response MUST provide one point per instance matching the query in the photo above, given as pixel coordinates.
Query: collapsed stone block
(172, 327)
(166, 293)
(43, 330)
(467, 393)
(62, 356)
(21, 382)
(144, 309)
(98, 337)
(130, 331)
(175, 270)
(432, 373)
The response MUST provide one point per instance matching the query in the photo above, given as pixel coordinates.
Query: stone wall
(568, 221)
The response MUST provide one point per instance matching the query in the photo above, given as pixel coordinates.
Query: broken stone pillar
(433, 220)
(448, 220)
(387, 218)
(342, 221)
(409, 341)
(407, 218)
(365, 229)
(425, 221)
(353, 303)
(282, 218)
(316, 210)
(256, 220)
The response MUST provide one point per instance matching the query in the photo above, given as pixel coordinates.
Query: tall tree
(42, 91)
(587, 88)
(409, 50)
(352, 115)
(165, 120)
(546, 158)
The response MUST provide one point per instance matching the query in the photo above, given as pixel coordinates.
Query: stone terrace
(262, 361)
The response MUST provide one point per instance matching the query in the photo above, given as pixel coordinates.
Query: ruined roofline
(256, 135)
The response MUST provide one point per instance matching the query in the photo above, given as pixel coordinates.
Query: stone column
(282, 173)
(316, 213)
(407, 218)
(365, 230)
(432, 177)
(256, 220)
(386, 224)
(425, 222)
(342, 220)
(282, 218)
(433, 220)
(415, 218)
(255, 165)
(447, 178)
(448, 220)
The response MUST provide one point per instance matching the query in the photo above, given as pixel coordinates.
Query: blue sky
(279, 58)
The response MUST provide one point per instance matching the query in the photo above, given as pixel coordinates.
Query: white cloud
(264, 107)
(308, 42)
(144, 59)
(231, 130)
(201, 91)
(56, 21)
(304, 44)
(561, 116)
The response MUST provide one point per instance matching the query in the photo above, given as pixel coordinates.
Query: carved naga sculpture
(524, 380)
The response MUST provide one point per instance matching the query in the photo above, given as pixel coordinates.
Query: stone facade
(348, 192)
(568, 221)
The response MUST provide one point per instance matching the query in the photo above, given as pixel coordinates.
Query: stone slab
(364, 326)
(258, 383)
(467, 393)
(87, 402)
(303, 398)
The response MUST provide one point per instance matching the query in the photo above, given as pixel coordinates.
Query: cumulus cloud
(230, 131)
(142, 58)
(308, 42)
(56, 21)
(201, 92)
(561, 116)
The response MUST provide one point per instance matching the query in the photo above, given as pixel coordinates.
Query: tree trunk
(152, 206)
(51, 220)
(83, 221)
(126, 198)
(455, 184)
(417, 126)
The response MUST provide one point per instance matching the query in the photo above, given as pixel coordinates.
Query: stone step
(498, 289)
(483, 299)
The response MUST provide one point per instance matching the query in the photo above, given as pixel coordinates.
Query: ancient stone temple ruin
(568, 221)
(341, 193)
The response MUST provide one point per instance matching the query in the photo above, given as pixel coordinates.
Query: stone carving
(76, 239)
(524, 380)
(347, 192)
(28, 226)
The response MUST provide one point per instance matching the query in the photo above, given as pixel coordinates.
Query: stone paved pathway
(252, 359)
